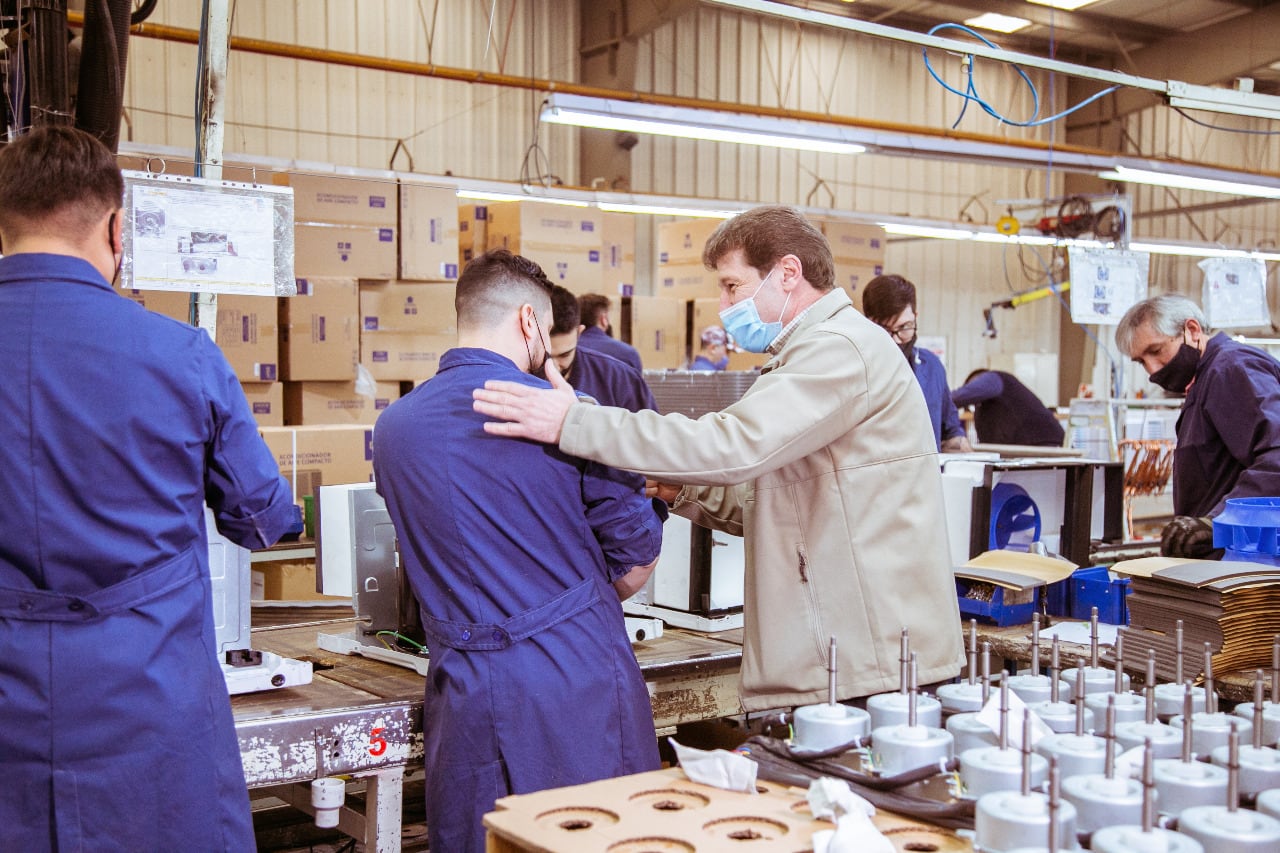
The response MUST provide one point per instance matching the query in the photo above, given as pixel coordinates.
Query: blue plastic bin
(1094, 587)
(1247, 528)
(993, 604)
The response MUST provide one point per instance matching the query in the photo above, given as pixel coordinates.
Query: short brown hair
(591, 307)
(765, 234)
(887, 296)
(57, 177)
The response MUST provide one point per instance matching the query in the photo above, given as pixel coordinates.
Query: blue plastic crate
(1094, 587)
(1057, 598)
(993, 604)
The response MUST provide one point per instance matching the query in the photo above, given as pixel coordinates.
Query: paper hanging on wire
(1235, 293)
(1105, 283)
(197, 235)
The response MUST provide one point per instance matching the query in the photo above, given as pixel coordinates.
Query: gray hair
(1167, 314)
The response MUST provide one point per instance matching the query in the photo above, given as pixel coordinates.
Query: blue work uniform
(117, 425)
(701, 362)
(932, 377)
(511, 548)
(1008, 412)
(609, 381)
(1229, 430)
(594, 338)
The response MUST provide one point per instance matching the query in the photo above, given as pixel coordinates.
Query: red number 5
(377, 745)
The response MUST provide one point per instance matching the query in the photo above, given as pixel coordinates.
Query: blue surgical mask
(742, 322)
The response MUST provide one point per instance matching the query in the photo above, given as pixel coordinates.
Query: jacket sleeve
(1244, 407)
(986, 386)
(250, 500)
(715, 507)
(817, 395)
(621, 517)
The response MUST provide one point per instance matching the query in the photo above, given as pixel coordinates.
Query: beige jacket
(828, 467)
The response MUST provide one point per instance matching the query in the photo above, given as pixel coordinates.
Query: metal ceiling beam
(1215, 54)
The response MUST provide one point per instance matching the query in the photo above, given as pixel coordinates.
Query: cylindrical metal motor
(892, 709)
(1077, 754)
(826, 726)
(1130, 707)
(1165, 740)
(1268, 802)
(1007, 820)
(899, 748)
(1132, 839)
(969, 734)
(1186, 784)
(1210, 731)
(1221, 830)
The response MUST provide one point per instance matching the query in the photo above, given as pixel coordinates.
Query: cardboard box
(658, 331)
(344, 200)
(853, 276)
(512, 224)
(572, 267)
(405, 328)
(266, 401)
(248, 335)
(320, 330)
(473, 229)
(854, 240)
(311, 456)
(344, 251)
(686, 281)
(312, 403)
(618, 253)
(292, 581)
(682, 241)
(428, 232)
(170, 303)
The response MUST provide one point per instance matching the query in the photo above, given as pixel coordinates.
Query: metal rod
(1054, 804)
(1026, 752)
(1233, 768)
(1186, 725)
(1078, 698)
(973, 651)
(1177, 654)
(1093, 638)
(986, 689)
(1275, 670)
(1035, 644)
(1053, 672)
(1110, 770)
(911, 693)
(1119, 683)
(904, 654)
(986, 661)
(1149, 690)
(1148, 787)
(1257, 709)
(831, 673)
(1210, 698)
(1004, 714)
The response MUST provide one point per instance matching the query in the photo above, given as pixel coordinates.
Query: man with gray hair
(1229, 429)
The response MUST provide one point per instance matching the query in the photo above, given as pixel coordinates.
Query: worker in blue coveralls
(597, 331)
(117, 426)
(602, 377)
(1229, 430)
(713, 354)
(889, 301)
(519, 557)
(1006, 411)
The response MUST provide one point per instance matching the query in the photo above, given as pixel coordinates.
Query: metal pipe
(1210, 698)
(831, 673)
(1149, 689)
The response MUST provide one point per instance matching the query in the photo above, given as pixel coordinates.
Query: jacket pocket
(821, 643)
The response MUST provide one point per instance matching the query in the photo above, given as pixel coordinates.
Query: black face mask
(908, 348)
(111, 232)
(1175, 376)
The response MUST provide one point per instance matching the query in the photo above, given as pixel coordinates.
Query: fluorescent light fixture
(689, 123)
(997, 22)
(1064, 5)
(478, 195)
(1189, 250)
(664, 210)
(941, 233)
(1016, 239)
(1192, 182)
(1191, 96)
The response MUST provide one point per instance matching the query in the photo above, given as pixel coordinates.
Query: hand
(1189, 537)
(536, 413)
(662, 491)
(957, 444)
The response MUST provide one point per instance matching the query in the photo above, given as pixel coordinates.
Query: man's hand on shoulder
(524, 412)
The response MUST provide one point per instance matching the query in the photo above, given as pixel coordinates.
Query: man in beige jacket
(827, 466)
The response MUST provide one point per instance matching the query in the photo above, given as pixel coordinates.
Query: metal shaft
(1186, 725)
(1148, 787)
(1078, 697)
(1150, 689)
(1054, 804)
(1257, 709)
(1275, 670)
(904, 654)
(1004, 714)
(1210, 698)
(911, 692)
(986, 661)
(831, 673)
(1053, 672)
(1119, 684)
(1026, 752)
(1093, 637)
(1233, 768)
(1110, 769)
(1177, 654)
(1035, 644)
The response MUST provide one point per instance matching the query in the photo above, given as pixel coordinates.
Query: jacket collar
(40, 266)
(822, 310)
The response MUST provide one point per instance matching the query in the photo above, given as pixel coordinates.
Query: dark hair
(495, 283)
(887, 296)
(57, 173)
(765, 234)
(564, 310)
(591, 307)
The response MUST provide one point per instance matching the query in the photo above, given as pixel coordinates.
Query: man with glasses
(889, 301)
(1229, 429)
(518, 555)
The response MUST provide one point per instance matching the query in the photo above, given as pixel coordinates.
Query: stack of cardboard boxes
(859, 254)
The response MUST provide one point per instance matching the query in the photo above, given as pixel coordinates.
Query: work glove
(1189, 537)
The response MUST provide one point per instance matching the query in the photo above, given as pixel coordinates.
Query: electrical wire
(1195, 120)
(970, 92)
(401, 638)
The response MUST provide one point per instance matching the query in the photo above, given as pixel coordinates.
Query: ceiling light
(997, 22)
(664, 210)
(1192, 251)
(940, 233)
(491, 196)
(688, 123)
(1064, 5)
(1266, 188)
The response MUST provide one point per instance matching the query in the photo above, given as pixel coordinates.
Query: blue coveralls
(932, 377)
(609, 381)
(1008, 412)
(116, 426)
(1229, 430)
(510, 547)
(594, 338)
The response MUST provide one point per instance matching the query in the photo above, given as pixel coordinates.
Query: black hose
(103, 60)
(143, 12)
